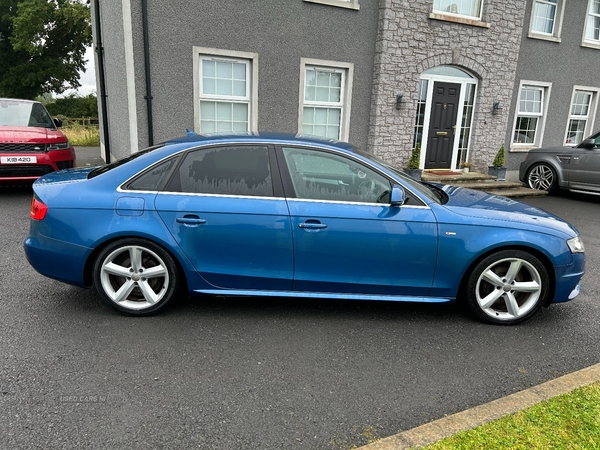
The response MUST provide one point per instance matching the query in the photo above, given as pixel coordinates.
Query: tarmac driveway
(271, 374)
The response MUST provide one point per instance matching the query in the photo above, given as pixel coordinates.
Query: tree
(42, 46)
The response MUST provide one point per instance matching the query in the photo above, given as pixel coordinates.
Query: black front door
(442, 125)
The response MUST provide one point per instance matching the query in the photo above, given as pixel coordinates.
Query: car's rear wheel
(135, 276)
(507, 287)
(542, 177)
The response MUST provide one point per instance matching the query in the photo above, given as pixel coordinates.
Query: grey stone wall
(409, 42)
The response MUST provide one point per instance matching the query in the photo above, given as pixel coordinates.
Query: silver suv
(574, 168)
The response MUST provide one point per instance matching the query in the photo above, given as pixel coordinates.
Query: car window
(423, 188)
(231, 170)
(108, 167)
(320, 175)
(40, 117)
(152, 179)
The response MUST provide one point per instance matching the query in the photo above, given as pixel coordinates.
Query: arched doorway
(445, 108)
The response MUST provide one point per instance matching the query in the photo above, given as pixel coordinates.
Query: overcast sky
(87, 78)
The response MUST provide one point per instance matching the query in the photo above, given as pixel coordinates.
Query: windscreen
(24, 114)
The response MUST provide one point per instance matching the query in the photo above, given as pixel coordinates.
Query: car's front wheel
(507, 287)
(135, 276)
(542, 177)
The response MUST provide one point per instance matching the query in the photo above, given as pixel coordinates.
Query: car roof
(269, 137)
(2, 99)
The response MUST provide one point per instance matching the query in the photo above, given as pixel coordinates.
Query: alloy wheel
(508, 289)
(134, 277)
(541, 177)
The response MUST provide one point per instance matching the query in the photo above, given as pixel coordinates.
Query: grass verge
(569, 421)
(82, 136)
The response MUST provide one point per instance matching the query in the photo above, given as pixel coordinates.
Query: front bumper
(568, 279)
(46, 162)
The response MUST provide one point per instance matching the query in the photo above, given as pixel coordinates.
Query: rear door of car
(584, 170)
(347, 237)
(224, 206)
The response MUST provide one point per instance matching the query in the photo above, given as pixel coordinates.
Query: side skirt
(328, 295)
(579, 191)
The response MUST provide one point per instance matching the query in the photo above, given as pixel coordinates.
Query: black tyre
(542, 177)
(135, 276)
(507, 287)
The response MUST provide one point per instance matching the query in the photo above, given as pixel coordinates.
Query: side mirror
(398, 196)
(57, 122)
(588, 143)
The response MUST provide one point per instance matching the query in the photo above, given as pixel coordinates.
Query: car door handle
(312, 225)
(190, 220)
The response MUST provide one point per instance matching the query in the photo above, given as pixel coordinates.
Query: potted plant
(466, 166)
(412, 168)
(497, 168)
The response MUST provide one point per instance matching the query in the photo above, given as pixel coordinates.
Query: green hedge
(74, 106)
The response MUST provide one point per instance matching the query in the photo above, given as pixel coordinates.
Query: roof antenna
(190, 133)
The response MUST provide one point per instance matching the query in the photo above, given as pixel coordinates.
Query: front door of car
(347, 237)
(222, 208)
(584, 170)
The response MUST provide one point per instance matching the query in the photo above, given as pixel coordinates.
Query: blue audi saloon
(292, 216)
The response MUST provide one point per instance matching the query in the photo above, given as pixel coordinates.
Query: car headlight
(576, 245)
(59, 146)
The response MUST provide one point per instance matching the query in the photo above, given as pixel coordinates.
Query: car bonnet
(510, 212)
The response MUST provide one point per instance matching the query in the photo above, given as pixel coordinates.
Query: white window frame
(350, 4)
(447, 16)
(347, 70)
(590, 118)
(585, 42)
(555, 36)
(450, 13)
(251, 59)
(539, 132)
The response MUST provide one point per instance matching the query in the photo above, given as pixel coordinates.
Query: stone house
(458, 77)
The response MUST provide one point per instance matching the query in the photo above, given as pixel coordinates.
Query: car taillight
(38, 209)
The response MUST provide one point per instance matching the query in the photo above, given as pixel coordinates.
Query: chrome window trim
(354, 203)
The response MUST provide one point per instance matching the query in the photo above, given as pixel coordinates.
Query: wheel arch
(460, 295)
(554, 165)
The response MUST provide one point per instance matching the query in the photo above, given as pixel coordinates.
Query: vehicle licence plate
(18, 159)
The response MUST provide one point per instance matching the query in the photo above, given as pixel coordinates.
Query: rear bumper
(46, 162)
(56, 259)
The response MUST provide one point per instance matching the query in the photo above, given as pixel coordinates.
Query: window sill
(457, 19)
(522, 149)
(543, 37)
(590, 44)
(349, 4)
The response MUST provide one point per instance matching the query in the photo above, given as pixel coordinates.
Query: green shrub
(499, 159)
(73, 106)
(415, 157)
